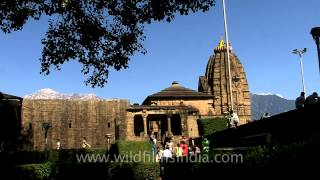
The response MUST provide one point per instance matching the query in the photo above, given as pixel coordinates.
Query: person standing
(167, 153)
(185, 148)
(233, 120)
(159, 154)
(265, 115)
(312, 99)
(300, 101)
(85, 144)
(205, 146)
(153, 142)
(58, 144)
(178, 151)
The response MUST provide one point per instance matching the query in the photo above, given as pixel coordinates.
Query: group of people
(233, 119)
(84, 144)
(302, 101)
(183, 148)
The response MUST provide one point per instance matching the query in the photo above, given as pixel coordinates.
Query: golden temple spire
(221, 44)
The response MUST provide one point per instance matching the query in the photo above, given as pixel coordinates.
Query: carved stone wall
(216, 81)
(187, 121)
(71, 120)
(205, 106)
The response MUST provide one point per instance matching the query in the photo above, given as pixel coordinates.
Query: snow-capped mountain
(269, 94)
(271, 103)
(260, 102)
(48, 93)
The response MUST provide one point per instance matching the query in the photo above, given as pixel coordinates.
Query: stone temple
(174, 110)
(215, 82)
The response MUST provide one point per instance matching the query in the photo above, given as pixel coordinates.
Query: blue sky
(262, 33)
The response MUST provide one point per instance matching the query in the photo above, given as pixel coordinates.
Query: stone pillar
(145, 124)
(169, 124)
(159, 131)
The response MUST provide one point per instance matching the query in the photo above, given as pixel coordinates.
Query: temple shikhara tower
(216, 79)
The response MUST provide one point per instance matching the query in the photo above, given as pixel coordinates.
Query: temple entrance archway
(138, 125)
(176, 125)
(157, 124)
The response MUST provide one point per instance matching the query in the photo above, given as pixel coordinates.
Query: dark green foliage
(211, 125)
(69, 156)
(34, 171)
(63, 164)
(114, 170)
(286, 128)
(296, 159)
(134, 170)
(147, 171)
(68, 166)
(23, 157)
(98, 34)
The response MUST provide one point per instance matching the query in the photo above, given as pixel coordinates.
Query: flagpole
(228, 55)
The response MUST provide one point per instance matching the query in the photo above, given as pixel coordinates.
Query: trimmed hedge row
(63, 164)
(109, 171)
(296, 159)
(211, 125)
(127, 147)
(112, 170)
(41, 171)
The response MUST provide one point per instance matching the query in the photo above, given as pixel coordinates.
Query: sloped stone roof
(153, 107)
(4, 96)
(176, 91)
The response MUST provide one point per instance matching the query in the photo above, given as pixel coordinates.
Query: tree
(99, 34)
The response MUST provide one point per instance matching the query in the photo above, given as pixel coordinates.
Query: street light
(46, 127)
(108, 136)
(300, 52)
(315, 32)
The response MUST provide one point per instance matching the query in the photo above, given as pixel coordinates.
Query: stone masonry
(71, 120)
(215, 82)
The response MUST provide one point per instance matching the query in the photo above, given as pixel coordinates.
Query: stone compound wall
(71, 120)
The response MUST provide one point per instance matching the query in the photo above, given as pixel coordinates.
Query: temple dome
(176, 91)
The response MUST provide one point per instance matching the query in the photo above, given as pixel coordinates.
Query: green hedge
(132, 148)
(128, 170)
(34, 171)
(294, 159)
(63, 164)
(23, 157)
(211, 125)
(126, 147)
(38, 157)
(69, 156)
(134, 171)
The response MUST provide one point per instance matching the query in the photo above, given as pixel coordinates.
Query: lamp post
(315, 32)
(300, 52)
(108, 136)
(46, 127)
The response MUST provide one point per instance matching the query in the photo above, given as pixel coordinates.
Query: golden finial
(221, 44)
